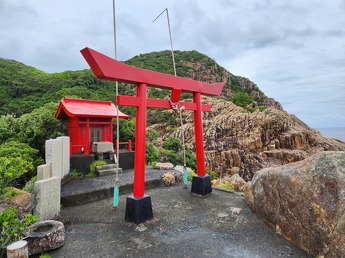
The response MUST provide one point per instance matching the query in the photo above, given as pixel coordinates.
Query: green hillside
(24, 88)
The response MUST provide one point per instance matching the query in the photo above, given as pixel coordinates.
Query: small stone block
(138, 210)
(201, 185)
(44, 171)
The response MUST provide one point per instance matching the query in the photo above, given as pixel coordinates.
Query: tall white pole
(116, 187)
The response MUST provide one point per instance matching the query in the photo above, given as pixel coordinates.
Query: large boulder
(305, 202)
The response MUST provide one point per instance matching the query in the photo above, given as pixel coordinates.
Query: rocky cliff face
(215, 73)
(237, 141)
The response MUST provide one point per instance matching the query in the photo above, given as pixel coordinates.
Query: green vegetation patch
(242, 99)
(12, 227)
(93, 166)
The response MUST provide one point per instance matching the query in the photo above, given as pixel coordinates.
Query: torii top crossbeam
(107, 68)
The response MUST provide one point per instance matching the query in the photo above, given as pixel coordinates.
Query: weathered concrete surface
(305, 202)
(184, 225)
(92, 189)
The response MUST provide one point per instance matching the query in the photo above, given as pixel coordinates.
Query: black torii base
(138, 210)
(201, 185)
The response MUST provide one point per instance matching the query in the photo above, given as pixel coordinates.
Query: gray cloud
(293, 50)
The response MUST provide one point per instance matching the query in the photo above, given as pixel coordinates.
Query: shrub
(190, 175)
(212, 174)
(14, 149)
(76, 173)
(93, 166)
(242, 99)
(168, 156)
(8, 127)
(12, 227)
(260, 108)
(172, 144)
(39, 125)
(11, 169)
(11, 192)
(228, 187)
(127, 130)
(29, 186)
(151, 154)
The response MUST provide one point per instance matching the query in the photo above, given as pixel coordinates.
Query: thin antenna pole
(114, 22)
(116, 188)
(171, 42)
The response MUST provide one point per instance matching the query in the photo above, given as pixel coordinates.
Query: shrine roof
(69, 107)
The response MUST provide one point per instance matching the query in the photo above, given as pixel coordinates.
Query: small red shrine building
(88, 121)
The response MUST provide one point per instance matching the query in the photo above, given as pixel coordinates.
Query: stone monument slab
(47, 195)
(54, 156)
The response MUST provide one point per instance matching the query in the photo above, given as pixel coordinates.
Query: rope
(177, 108)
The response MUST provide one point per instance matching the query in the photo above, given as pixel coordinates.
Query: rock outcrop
(239, 142)
(305, 202)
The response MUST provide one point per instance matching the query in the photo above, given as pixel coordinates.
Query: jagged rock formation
(237, 141)
(215, 73)
(304, 202)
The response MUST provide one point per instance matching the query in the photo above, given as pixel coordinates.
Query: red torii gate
(138, 207)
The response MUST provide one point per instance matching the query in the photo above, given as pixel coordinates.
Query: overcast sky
(293, 50)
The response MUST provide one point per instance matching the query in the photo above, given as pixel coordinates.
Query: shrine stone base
(81, 162)
(201, 185)
(138, 210)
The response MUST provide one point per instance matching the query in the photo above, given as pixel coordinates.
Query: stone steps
(105, 170)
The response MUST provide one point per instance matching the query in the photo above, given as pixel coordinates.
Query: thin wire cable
(173, 107)
(171, 42)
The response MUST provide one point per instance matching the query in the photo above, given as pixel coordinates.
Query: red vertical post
(140, 142)
(87, 140)
(129, 147)
(199, 138)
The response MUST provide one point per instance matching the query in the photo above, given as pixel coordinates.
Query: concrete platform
(184, 225)
(90, 189)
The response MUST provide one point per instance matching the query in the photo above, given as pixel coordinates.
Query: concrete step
(106, 172)
(90, 189)
(108, 166)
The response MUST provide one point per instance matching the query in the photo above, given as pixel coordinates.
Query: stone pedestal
(81, 162)
(201, 185)
(138, 210)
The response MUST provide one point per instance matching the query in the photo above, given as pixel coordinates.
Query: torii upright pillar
(138, 206)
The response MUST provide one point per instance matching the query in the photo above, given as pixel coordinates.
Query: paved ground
(89, 189)
(184, 225)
